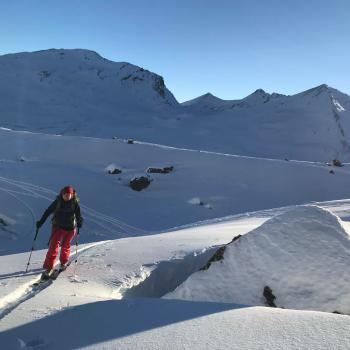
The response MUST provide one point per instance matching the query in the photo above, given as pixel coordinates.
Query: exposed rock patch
(140, 183)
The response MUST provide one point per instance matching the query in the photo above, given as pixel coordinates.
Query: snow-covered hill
(105, 297)
(33, 168)
(77, 92)
(312, 125)
(296, 260)
(139, 270)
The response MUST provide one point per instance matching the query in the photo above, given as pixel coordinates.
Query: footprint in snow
(76, 279)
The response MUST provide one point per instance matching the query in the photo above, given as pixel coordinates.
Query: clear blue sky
(228, 48)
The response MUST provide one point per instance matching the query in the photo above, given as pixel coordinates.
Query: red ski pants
(59, 237)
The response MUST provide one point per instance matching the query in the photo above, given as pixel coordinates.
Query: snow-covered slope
(77, 92)
(153, 324)
(83, 298)
(33, 168)
(314, 124)
(301, 255)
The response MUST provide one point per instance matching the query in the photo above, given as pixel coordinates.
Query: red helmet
(68, 189)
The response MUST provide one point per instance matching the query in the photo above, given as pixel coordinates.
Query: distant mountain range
(78, 92)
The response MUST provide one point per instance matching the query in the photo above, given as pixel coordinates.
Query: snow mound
(301, 255)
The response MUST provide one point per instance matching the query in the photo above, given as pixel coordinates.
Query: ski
(42, 281)
(53, 276)
(56, 272)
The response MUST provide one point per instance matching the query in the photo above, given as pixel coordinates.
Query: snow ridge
(301, 255)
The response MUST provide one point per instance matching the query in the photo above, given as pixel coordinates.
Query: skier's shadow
(20, 274)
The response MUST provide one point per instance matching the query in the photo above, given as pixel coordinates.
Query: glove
(80, 223)
(38, 224)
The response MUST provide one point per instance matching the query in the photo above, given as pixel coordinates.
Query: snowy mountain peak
(207, 101)
(213, 103)
(339, 102)
(259, 91)
(258, 96)
(62, 89)
(51, 54)
(208, 97)
(63, 61)
(316, 91)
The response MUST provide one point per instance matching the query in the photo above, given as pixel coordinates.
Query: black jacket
(66, 215)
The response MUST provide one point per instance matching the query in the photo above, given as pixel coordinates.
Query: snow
(159, 324)
(253, 170)
(77, 92)
(302, 255)
(228, 184)
(111, 300)
(195, 201)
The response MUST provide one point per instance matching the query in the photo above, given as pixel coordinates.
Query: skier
(66, 218)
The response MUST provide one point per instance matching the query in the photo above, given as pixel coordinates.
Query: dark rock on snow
(269, 296)
(164, 170)
(2, 222)
(140, 183)
(114, 171)
(219, 254)
(337, 162)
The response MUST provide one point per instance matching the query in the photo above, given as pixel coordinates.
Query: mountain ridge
(78, 92)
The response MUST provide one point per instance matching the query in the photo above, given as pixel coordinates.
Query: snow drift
(302, 256)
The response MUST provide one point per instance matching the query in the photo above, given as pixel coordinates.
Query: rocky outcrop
(140, 183)
(165, 170)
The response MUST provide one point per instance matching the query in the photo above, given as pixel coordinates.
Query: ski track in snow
(16, 189)
(27, 291)
(123, 229)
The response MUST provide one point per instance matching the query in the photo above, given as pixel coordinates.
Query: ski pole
(76, 247)
(76, 252)
(36, 234)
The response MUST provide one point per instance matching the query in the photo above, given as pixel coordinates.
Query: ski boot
(46, 274)
(63, 267)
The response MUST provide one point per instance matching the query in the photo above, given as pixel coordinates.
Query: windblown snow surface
(110, 298)
(302, 255)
